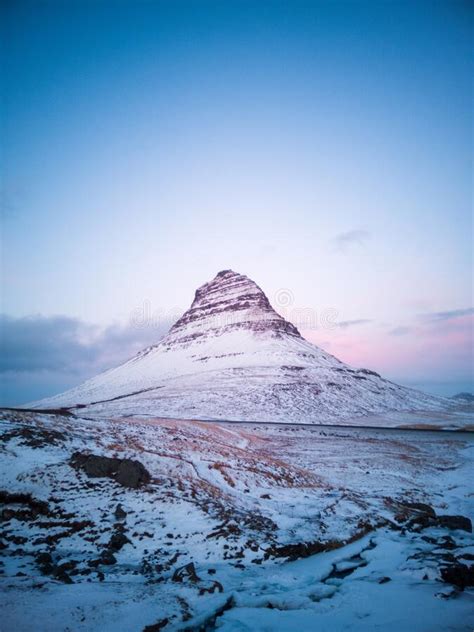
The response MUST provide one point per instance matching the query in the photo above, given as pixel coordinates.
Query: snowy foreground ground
(233, 527)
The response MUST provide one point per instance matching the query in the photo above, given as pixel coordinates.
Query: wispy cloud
(344, 324)
(449, 315)
(428, 322)
(352, 238)
(400, 331)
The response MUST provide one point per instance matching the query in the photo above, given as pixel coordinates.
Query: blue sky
(320, 147)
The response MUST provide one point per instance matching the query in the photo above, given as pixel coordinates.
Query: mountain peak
(229, 302)
(225, 272)
(231, 356)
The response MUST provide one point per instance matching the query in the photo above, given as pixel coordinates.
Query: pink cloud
(420, 350)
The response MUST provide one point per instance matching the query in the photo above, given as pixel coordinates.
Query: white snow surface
(227, 497)
(232, 357)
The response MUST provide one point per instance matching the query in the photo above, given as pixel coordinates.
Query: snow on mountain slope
(231, 356)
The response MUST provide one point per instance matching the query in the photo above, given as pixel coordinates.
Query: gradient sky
(320, 147)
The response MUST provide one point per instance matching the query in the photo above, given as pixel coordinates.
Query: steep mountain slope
(231, 356)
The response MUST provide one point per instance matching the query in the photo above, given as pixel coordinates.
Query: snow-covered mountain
(231, 356)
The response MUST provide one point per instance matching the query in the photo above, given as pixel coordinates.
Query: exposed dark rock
(45, 563)
(455, 522)
(418, 516)
(7, 514)
(68, 566)
(96, 466)
(44, 558)
(368, 372)
(421, 508)
(30, 507)
(120, 513)
(446, 542)
(384, 580)
(61, 575)
(424, 521)
(65, 412)
(118, 541)
(46, 566)
(34, 437)
(126, 472)
(186, 573)
(16, 539)
(460, 575)
(93, 563)
(305, 549)
(211, 588)
(107, 558)
(467, 397)
(132, 474)
(301, 549)
(156, 627)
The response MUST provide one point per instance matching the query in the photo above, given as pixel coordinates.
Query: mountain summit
(230, 302)
(231, 356)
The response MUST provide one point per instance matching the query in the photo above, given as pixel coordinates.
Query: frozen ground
(233, 527)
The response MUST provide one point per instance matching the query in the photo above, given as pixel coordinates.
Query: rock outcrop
(126, 472)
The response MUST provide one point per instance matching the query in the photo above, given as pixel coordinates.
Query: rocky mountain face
(231, 356)
(230, 302)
